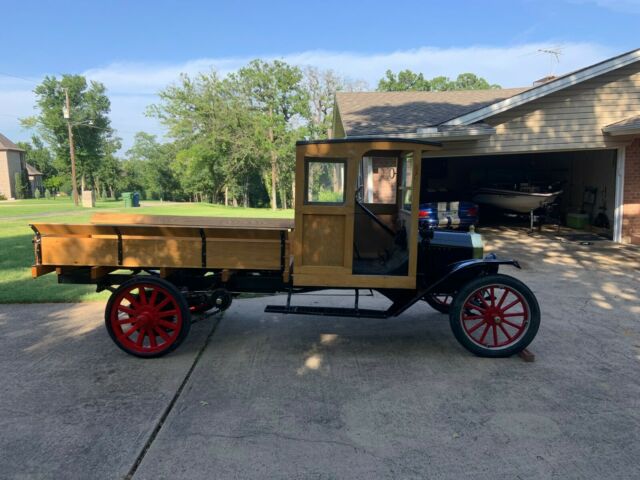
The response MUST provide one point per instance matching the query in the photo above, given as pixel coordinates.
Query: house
(580, 131)
(35, 178)
(11, 162)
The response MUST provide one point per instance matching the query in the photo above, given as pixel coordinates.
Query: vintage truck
(356, 227)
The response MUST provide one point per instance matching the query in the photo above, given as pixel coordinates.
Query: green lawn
(16, 249)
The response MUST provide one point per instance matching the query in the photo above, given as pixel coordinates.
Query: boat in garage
(517, 201)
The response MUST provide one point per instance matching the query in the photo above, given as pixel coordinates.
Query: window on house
(325, 181)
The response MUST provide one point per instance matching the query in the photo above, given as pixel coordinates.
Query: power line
(113, 129)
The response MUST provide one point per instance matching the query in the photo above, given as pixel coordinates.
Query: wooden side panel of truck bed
(166, 242)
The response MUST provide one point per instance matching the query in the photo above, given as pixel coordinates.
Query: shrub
(19, 186)
(47, 193)
(2, 197)
(37, 193)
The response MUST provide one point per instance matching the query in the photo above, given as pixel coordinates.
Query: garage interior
(587, 179)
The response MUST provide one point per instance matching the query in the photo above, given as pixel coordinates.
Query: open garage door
(587, 180)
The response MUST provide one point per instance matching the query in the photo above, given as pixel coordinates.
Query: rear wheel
(495, 316)
(147, 317)
(439, 302)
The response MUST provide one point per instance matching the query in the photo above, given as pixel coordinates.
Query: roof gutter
(621, 130)
(435, 135)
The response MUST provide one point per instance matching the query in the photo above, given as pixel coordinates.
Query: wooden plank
(323, 238)
(355, 281)
(162, 252)
(243, 256)
(98, 272)
(39, 270)
(84, 251)
(188, 221)
(412, 235)
(48, 229)
(167, 272)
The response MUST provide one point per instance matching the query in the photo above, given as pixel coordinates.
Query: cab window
(324, 181)
(379, 180)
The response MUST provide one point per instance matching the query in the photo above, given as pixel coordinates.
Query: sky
(137, 48)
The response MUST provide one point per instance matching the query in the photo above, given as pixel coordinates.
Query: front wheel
(495, 316)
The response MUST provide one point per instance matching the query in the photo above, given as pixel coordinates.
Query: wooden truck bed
(151, 242)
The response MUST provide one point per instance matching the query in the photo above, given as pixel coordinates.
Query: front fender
(462, 272)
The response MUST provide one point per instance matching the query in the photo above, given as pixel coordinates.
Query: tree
(158, 180)
(275, 91)
(406, 80)
(22, 185)
(90, 107)
(213, 125)
(470, 81)
(108, 174)
(38, 155)
(321, 87)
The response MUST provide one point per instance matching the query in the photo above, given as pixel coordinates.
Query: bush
(37, 193)
(47, 193)
(2, 197)
(19, 186)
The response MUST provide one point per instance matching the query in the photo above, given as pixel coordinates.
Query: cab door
(325, 195)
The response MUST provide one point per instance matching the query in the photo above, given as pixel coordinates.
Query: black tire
(437, 303)
(162, 313)
(497, 307)
(222, 300)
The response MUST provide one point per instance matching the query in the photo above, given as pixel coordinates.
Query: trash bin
(128, 200)
(579, 221)
(135, 199)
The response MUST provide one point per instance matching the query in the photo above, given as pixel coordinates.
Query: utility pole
(72, 148)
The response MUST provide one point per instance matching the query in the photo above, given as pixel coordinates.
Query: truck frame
(356, 227)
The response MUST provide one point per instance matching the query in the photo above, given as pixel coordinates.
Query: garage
(586, 181)
(578, 134)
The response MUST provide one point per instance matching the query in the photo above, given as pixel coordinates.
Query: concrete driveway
(255, 395)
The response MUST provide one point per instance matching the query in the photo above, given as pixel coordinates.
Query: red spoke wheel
(495, 316)
(439, 302)
(147, 317)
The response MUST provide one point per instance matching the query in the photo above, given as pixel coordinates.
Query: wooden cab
(356, 212)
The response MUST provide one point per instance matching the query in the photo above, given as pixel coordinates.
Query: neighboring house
(581, 130)
(11, 162)
(35, 178)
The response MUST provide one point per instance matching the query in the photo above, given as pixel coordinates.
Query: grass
(16, 249)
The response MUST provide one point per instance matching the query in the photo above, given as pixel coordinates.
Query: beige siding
(5, 181)
(570, 119)
(10, 163)
(338, 128)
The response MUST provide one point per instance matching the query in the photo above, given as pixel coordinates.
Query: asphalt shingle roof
(31, 170)
(6, 144)
(376, 113)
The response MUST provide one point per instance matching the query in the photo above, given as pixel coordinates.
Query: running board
(327, 311)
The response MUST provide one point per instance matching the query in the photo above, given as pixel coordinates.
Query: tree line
(228, 140)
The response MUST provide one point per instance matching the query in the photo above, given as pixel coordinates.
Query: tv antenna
(554, 54)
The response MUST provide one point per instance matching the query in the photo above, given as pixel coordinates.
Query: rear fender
(462, 272)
